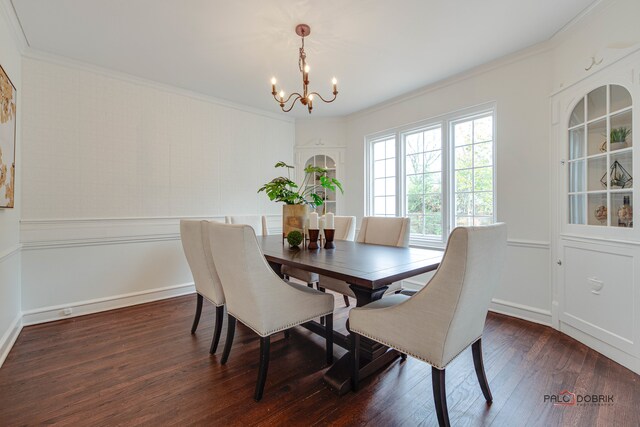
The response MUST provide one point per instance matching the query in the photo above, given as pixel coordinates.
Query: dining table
(369, 270)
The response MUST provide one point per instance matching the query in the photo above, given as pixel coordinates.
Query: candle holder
(313, 239)
(328, 238)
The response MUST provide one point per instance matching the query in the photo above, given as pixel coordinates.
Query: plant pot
(618, 145)
(294, 218)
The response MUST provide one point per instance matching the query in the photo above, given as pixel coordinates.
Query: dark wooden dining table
(368, 269)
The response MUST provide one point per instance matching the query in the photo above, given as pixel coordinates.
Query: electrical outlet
(67, 311)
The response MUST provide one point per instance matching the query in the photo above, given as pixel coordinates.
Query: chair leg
(346, 300)
(217, 329)
(476, 349)
(265, 344)
(231, 331)
(440, 396)
(287, 333)
(196, 319)
(328, 330)
(310, 285)
(403, 356)
(355, 361)
(321, 290)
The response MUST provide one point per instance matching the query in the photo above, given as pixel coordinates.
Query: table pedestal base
(373, 355)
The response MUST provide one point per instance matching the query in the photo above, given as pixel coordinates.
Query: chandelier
(306, 98)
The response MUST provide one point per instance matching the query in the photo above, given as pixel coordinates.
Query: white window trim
(446, 123)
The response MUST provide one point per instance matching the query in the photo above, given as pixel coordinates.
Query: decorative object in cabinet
(600, 174)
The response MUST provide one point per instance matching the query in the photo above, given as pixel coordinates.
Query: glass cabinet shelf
(600, 152)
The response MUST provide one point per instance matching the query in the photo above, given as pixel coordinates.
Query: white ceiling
(378, 49)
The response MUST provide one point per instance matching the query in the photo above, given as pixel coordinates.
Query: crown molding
(580, 16)
(8, 12)
(39, 55)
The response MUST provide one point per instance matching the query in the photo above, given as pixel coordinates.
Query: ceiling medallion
(306, 98)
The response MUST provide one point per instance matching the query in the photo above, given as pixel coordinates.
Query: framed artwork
(7, 140)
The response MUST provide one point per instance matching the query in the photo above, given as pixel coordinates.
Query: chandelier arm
(286, 110)
(296, 94)
(335, 95)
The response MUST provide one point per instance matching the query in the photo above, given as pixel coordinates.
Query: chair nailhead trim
(282, 328)
(412, 354)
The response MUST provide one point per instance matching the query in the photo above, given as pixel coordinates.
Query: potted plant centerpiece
(298, 199)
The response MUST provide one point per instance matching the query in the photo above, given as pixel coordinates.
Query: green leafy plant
(283, 189)
(294, 238)
(620, 134)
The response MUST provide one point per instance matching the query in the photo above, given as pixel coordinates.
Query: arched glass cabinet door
(329, 197)
(600, 157)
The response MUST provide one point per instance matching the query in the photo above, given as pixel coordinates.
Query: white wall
(10, 218)
(321, 132)
(110, 165)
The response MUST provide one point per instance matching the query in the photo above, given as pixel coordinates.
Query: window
(384, 177)
(439, 173)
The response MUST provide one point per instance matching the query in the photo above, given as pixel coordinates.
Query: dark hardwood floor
(141, 365)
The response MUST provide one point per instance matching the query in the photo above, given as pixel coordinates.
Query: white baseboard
(9, 338)
(521, 311)
(625, 359)
(81, 308)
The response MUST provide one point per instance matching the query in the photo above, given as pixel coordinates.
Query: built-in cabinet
(328, 158)
(596, 244)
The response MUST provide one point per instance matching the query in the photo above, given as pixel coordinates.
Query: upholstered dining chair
(376, 231)
(257, 222)
(345, 227)
(194, 235)
(446, 316)
(260, 299)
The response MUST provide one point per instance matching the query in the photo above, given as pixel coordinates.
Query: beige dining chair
(194, 235)
(258, 298)
(257, 222)
(345, 227)
(384, 231)
(446, 316)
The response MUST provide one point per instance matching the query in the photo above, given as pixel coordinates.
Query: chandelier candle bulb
(273, 85)
(334, 82)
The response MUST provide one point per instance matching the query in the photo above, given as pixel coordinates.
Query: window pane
(417, 222)
(464, 204)
(433, 161)
(483, 220)
(390, 167)
(414, 164)
(414, 184)
(433, 182)
(462, 133)
(483, 154)
(432, 203)
(483, 129)
(378, 187)
(415, 204)
(433, 224)
(464, 221)
(378, 150)
(378, 205)
(464, 180)
(378, 169)
(483, 204)
(390, 208)
(464, 157)
(390, 187)
(433, 139)
(483, 179)
(391, 148)
(414, 143)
